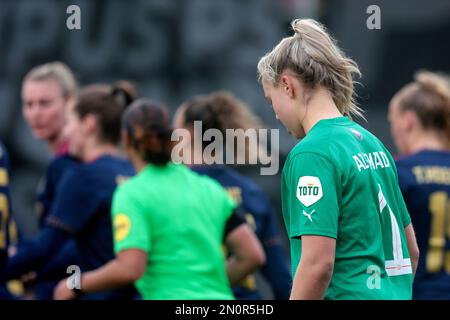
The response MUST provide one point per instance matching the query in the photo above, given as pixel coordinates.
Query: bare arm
(127, 267)
(315, 269)
(247, 253)
(412, 247)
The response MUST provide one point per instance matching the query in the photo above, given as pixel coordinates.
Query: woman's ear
(89, 124)
(409, 121)
(70, 102)
(287, 84)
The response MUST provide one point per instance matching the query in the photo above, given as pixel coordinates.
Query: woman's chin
(298, 135)
(40, 134)
(74, 152)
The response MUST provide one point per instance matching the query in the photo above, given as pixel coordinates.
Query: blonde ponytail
(429, 98)
(313, 56)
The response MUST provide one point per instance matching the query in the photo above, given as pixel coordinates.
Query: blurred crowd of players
(171, 232)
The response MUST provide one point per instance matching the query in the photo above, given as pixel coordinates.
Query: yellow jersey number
(437, 258)
(4, 218)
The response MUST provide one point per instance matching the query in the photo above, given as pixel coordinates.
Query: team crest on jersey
(357, 134)
(309, 190)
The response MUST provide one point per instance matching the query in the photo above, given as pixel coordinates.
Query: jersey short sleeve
(229, 204)
(236, 219)
(219, 195)
(48, 186)
(76, 201)
(131, 230)
(314, 189)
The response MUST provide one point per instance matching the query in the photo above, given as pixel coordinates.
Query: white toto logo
(309, 190)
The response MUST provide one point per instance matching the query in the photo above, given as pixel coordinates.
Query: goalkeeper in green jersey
(350, 232)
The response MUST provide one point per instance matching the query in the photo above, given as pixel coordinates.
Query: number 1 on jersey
(398, 265)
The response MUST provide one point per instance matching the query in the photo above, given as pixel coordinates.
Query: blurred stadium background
(173, 49)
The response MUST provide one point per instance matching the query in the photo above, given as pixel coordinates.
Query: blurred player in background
(221, 110)
(169, 223)
(351, 234)
(47, 91)
(419, 115)
(82, 204)
(5, 215)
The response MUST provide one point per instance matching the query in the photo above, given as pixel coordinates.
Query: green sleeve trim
(406, 221)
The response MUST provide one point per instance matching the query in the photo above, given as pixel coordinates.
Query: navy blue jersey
(5, 219)
(261, 216)
(81, 210)
(49, 184)
(82, 207)
(424, 179)
(5, 209)
(55, 268)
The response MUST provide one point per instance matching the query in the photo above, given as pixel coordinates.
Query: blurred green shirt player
(169, 224)
(341, 182)
(181, 235)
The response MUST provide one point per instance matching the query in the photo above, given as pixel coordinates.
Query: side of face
(285, 101)
(78, 131)
(43, 107)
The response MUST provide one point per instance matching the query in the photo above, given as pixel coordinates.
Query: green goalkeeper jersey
(341, 182)
(178, 218)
